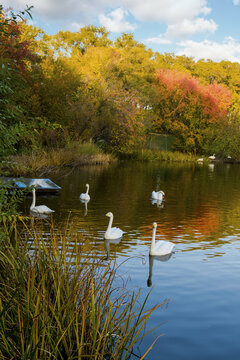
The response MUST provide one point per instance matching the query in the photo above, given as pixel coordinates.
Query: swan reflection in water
(39, 215)
(151, 260)
(85, 202)
(211, 167)
(107, 243)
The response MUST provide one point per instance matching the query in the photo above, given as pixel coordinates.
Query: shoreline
(53, 160)
(49, 160)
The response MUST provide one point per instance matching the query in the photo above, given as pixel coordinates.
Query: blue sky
(202, 29)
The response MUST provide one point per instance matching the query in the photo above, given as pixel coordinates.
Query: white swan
(158, 195)
(85, 196)
(160, 203)
(212, 157)
(112, 232)
(161, 247)
(40, 209)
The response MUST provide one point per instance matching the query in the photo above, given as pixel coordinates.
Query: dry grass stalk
(56, 303)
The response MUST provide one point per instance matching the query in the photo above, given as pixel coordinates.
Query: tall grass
(57, 304)
(75, 154)
(158, 155)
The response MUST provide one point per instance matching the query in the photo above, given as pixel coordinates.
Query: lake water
(201, 214)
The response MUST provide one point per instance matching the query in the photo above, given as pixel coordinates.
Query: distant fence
(160, 141)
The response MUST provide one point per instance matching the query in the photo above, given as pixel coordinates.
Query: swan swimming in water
(161, 247)
(112, 232)
(40, 209)
(160, 203)
(158, 195)
(212, 157)
(85, 196)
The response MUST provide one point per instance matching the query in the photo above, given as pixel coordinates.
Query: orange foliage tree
(185, 107)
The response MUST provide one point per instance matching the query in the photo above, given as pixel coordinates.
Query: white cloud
(169, 11)
(114, 21)
(190, 27)
(229, 49)
(160, 39)
(79, 10)
(235, 2)
(185, 29)
(182, 17)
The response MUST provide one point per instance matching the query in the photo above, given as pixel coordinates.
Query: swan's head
(154, 225)
(109, 214)
(87, 185)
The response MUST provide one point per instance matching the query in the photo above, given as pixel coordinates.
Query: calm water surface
(201, 214)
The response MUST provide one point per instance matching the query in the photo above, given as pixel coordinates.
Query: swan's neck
(87, 190)
(153, 239)
(110, 223)
(34, 200)
(159, 195)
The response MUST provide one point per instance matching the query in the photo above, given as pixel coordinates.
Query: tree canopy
(82, 85)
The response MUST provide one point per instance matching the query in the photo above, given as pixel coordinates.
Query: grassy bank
(57, 303)
(158, 155)
(44, 160)
(78, 154)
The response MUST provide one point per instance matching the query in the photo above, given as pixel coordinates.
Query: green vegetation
(81, 86)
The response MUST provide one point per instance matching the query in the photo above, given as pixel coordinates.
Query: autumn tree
(185, 107)
(13, 81)
(104, 108)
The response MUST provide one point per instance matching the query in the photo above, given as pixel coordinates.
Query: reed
(158, 155)
(74, 155)
(55, 303)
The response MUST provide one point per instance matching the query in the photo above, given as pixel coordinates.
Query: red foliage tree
(11, 47)
(185, 107)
